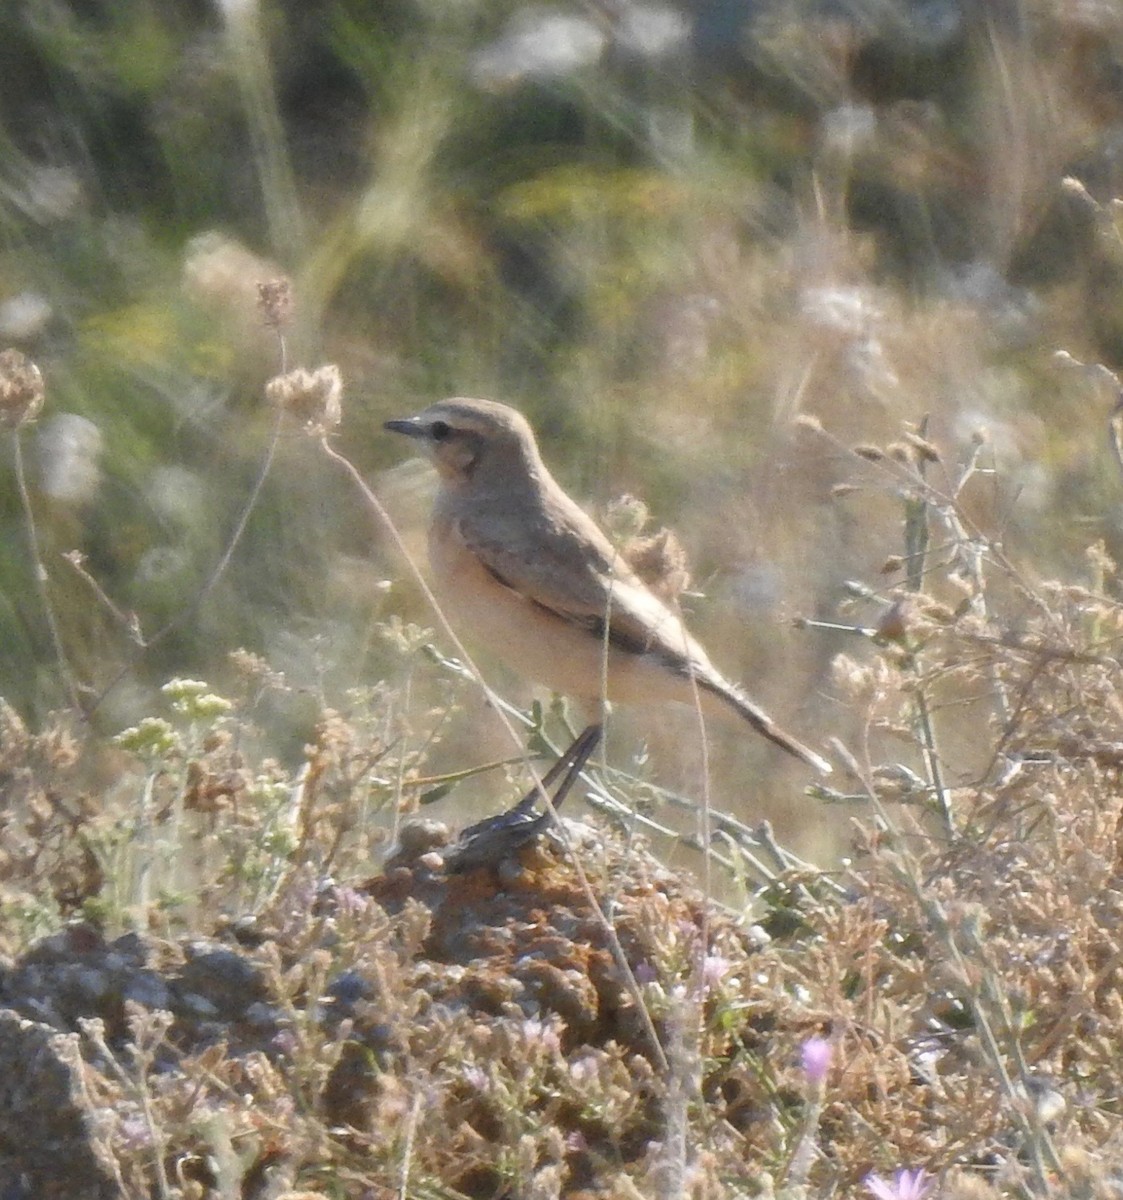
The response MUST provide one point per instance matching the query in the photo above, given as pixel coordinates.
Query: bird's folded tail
(765, 726)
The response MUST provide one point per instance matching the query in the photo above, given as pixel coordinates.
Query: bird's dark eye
(439, 430)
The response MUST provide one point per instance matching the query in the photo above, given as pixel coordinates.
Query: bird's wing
(562, 562)
(546, 560)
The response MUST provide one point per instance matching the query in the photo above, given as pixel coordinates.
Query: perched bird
(522, 569)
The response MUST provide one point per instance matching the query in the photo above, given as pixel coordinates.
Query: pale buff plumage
(523, 570)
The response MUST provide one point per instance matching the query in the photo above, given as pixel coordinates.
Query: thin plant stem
(40, 572)
(77, 561)
(806, 1145)
(407, 1149)
(209, 584)
(235, 537)
(917, 537)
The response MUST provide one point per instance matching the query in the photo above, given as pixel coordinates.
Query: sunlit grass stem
(39, 571)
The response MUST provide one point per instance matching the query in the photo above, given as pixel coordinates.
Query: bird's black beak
(411, 427)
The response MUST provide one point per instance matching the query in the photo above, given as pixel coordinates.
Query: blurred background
(663, 230)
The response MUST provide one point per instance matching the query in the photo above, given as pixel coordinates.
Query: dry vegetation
(947, 1002)
(803, 289)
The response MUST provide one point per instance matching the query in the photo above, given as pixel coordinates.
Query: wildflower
(906, 1185)
(715, 967)
(274, 302)
(21, 389)
(152, 736)
(179, 689)
(815, 1056)
(222, 276)
(313, 397)
(539, 1033)
(644, 972)
(190, 698)
(584, 1069)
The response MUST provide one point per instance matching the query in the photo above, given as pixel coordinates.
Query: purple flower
(540, 1033)
(715, 967)
(645, 973)
(815, 1055)
(906, 1185)
(584, 1068)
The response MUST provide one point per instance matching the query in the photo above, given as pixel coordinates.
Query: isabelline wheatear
(520, 568)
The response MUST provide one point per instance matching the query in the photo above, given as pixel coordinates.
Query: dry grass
(276, 1023)
(805, 298)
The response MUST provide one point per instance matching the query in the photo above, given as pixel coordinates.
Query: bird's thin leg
(572, 761)
(494, 838)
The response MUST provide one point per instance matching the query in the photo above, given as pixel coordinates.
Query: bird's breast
(568, 655)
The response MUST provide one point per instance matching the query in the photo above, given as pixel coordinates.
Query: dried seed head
(893, 622)
(313, 397)
(660, 561)
(21, 389)
(222, 274)
(657, 558)
(626, 517)
(924, 448)
(275, 302)
(853, 679)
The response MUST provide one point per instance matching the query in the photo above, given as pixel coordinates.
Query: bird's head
(466, 437)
